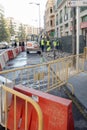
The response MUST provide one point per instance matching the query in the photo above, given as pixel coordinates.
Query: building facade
(49, 19)
(64, 19)
(64, 23)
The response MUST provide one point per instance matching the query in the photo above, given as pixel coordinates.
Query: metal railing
(45, 76)
(12, 94)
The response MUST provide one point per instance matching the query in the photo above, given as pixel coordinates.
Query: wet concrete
(23, 59)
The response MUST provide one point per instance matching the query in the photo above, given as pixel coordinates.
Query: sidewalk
(79, 83)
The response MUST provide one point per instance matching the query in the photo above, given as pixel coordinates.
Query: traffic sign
(74, 3)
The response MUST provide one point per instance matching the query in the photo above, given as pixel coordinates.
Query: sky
(24, 12)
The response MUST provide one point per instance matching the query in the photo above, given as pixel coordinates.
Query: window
(50, 22)
(66, 25)
(84, 18)
(57, 19)
(51, 10)
(83, 9)
(61, 16)
(65, 10)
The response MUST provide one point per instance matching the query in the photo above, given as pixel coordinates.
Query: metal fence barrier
(45, 76)
(10, 93)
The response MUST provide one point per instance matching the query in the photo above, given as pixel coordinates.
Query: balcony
(52, 14)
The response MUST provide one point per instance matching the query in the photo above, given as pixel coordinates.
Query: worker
(42, 45)
(48, 49)
(57, 45)
(54, 44)
(47, 44)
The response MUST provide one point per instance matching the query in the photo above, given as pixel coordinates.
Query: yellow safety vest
(49, 48)
(48, 43)
(42, 42)
(54, 43)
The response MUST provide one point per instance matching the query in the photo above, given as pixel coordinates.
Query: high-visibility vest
(42, 42)
(49, 48)
(54, 43)
(48, 43)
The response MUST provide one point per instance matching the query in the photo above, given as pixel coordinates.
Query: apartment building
(64, 25)
(64, 20)
(49, 18)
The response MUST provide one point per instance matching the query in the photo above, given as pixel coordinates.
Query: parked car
(4, 45)
(33, 46)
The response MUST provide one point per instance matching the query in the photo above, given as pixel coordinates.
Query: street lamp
(38, 4)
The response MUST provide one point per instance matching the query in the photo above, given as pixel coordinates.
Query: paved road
(23, 59)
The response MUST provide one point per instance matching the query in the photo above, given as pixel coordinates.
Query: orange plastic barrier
(17, 51)
(20, 115)
(57, 112)
(22, 48)
(10, 54)
(29, 117)
(10, 121)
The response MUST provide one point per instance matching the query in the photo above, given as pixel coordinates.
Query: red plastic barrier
(20, 115)
(10, 54)
(57, 112)
(22, 48)
(10, 122)
(17, 51)
(29, 117)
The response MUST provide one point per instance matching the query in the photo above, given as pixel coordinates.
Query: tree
(11, 29)
(4, 31)
(21, 33)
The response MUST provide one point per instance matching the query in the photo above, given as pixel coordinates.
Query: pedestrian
(23, 43)
(19, 43)
(15, 44)
(42, 45)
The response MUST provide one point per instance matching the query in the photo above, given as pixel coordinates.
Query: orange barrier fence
(17, 51)
(10, 54)
(18, 116)
(57, 112)
(23, 48)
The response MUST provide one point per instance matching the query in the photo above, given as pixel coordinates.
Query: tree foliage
(11, 29)
(4, 31)
(21, 33)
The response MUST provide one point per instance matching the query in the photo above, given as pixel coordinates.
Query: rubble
(55, 55)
